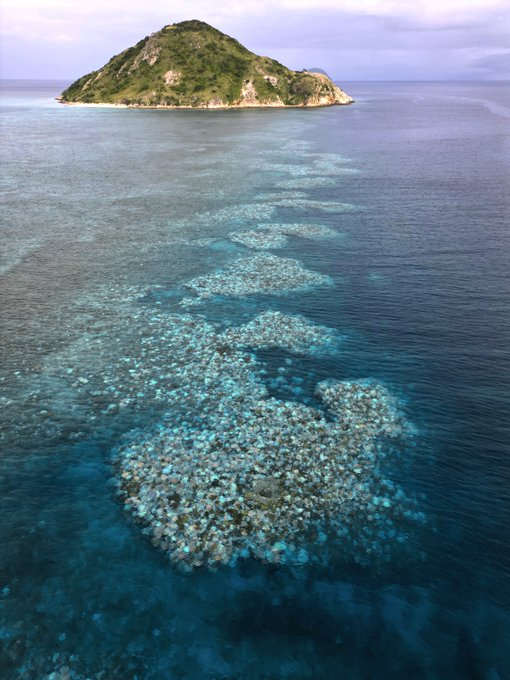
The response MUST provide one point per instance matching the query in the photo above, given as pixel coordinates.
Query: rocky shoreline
(205, 107)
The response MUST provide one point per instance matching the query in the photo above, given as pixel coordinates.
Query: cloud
(415, 14)
(497, 63)
(354, 39)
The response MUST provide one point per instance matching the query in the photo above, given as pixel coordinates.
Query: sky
(350, 39)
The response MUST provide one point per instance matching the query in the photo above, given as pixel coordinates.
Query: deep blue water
(99, 201)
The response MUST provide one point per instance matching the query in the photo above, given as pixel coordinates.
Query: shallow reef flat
(278, 330)
(331, 170)
(173, 362)
(316, 205)
(292, 169)
(307, 182)
(271, 479)
(327, 159)
(270, 197)
(255, 275)
(271, 235)
(259, 240)
(321, 165)
(249, 475)
(306, 230)
(231, 472)
(249, 214)
(166, 361)
(244, 212)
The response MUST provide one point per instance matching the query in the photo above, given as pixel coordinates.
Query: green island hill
(193, 65)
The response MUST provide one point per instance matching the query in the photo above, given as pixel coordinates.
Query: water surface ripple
(391, 262)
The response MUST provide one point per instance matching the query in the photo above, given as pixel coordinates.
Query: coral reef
(255, 275)
(270, 479)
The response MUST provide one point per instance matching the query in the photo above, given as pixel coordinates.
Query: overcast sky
(351, 39)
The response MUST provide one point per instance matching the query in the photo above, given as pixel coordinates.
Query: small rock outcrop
(193, 65)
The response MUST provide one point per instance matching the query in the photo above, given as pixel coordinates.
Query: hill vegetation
(192, 64)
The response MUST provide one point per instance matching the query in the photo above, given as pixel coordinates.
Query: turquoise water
(110, 220)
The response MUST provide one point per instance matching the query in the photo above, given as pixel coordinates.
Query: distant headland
(193, 65)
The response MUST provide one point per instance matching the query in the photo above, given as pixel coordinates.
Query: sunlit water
(107, 215)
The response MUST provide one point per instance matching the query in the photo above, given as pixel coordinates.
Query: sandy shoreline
(200, 108)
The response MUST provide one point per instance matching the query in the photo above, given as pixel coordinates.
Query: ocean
(312, 305)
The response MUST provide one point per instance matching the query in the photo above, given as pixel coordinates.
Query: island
(193, 65)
